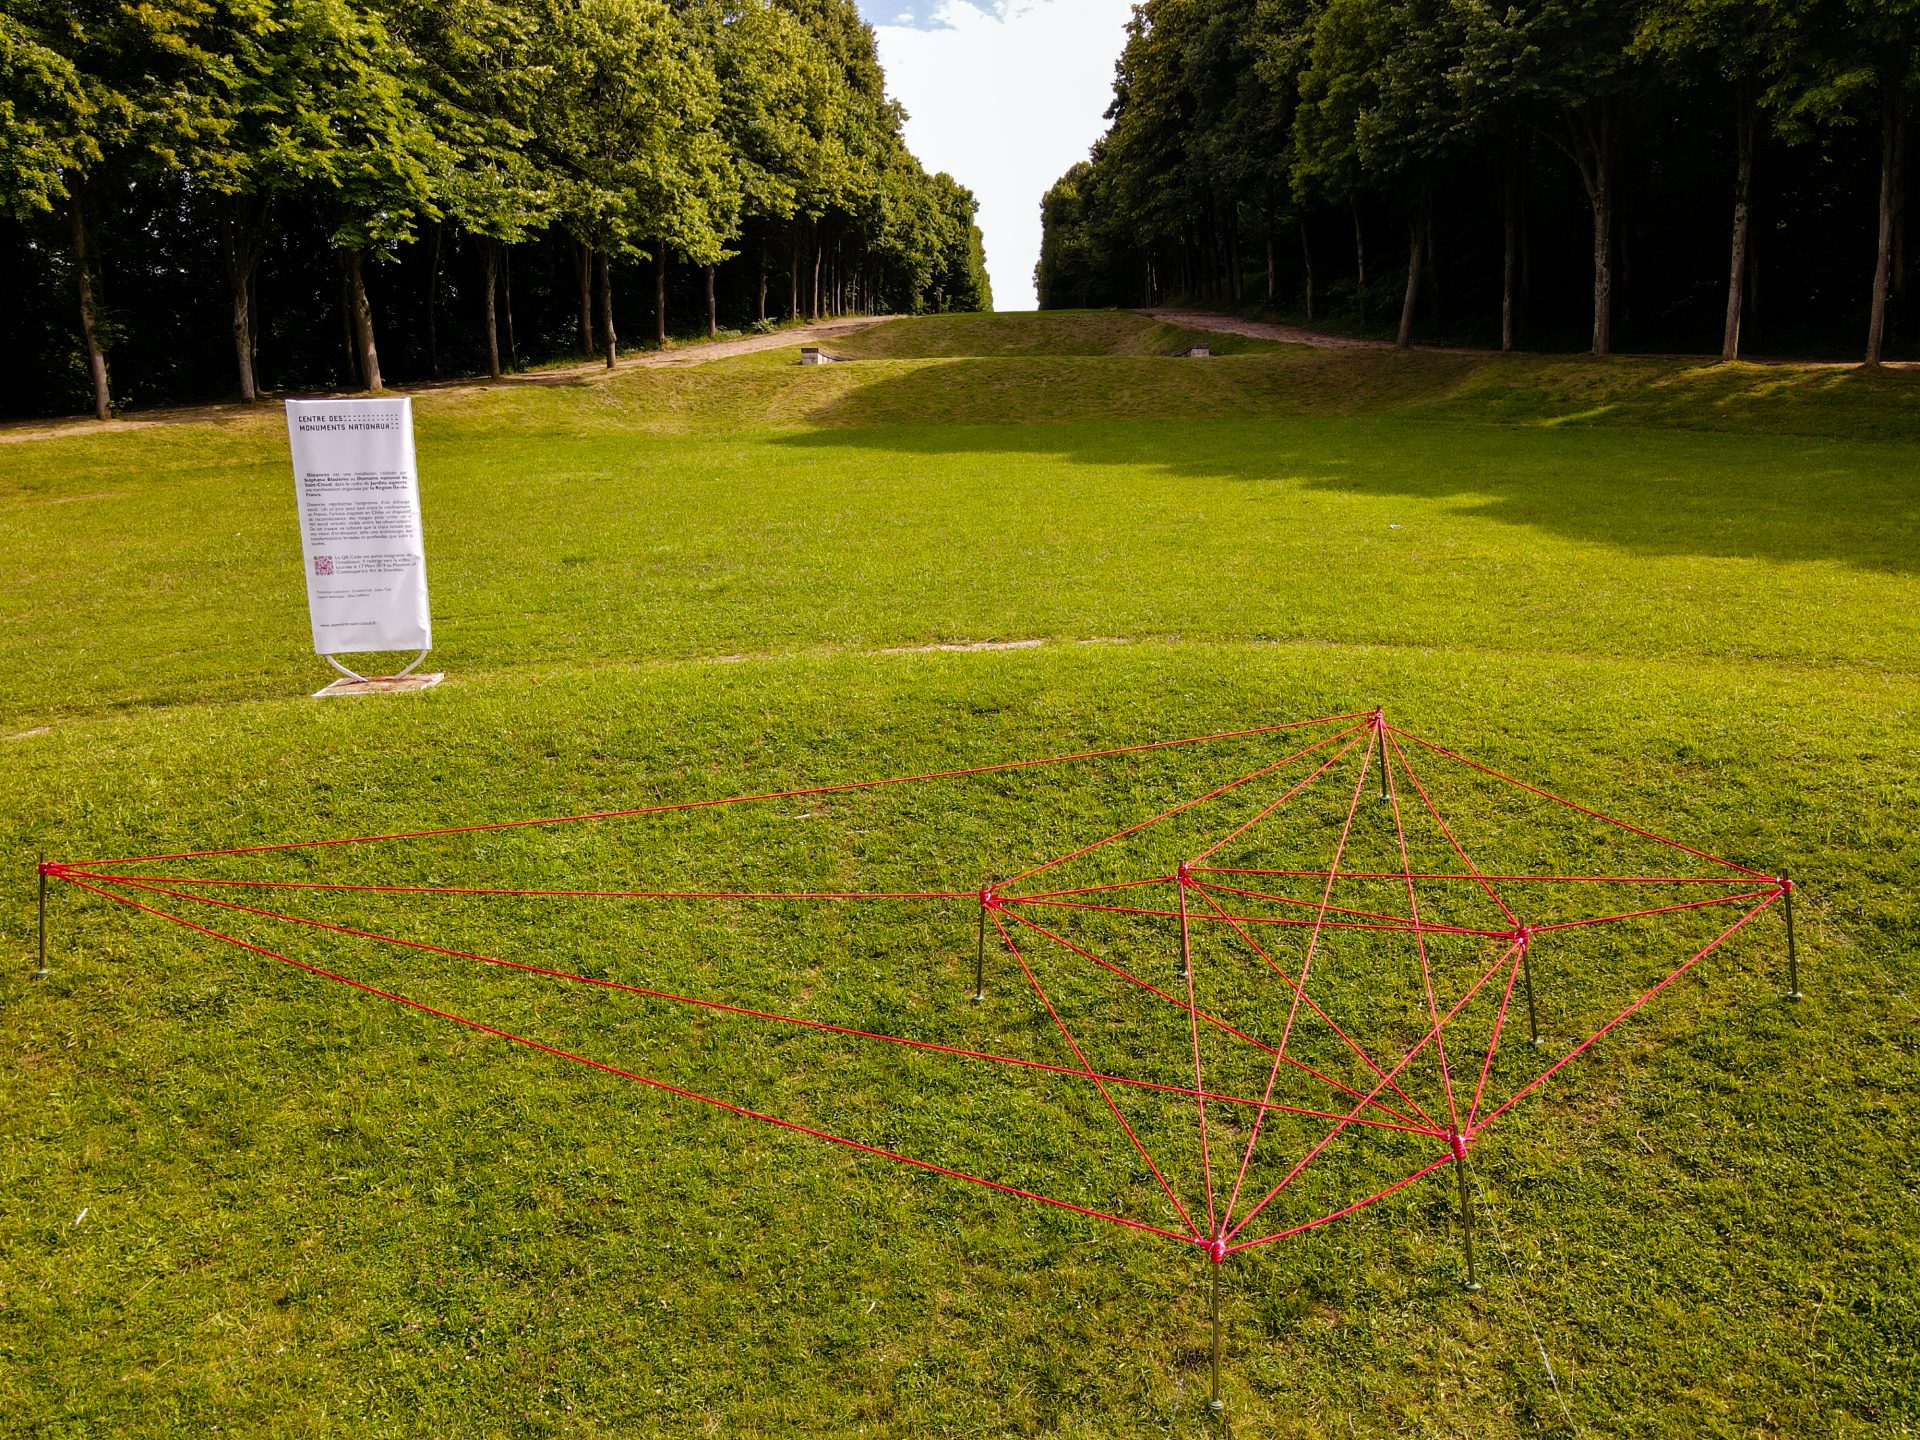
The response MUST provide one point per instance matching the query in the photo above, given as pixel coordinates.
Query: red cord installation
(1202, 1207)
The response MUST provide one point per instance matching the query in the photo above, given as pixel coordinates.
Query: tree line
(1560, 169)
(383, 170)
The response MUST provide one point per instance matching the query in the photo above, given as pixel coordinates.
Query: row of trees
(1502, 133)
(748, 141)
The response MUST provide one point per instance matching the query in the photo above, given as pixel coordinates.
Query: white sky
(1005, 96)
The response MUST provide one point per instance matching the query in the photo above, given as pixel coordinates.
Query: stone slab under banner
(380, 685)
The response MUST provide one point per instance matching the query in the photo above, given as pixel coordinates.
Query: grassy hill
(236, 1196)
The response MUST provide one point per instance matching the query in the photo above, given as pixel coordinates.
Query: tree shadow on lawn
(1649, 490)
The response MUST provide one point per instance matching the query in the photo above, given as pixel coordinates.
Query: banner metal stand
(355, 683)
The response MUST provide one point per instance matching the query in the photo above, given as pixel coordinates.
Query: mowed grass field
(236, 1198)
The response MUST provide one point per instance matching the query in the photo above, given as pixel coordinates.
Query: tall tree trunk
(89, 314)
(1235, 276)
(1603, 259)
(1214, 263)
(1900, 232)
(1360, 256)
(1893, 124)
(1416, 252)
(1746, 124)
(793, 273)
(1222, 268)
(1594, 130)
(435, 233)
(363, 343)
(1306, 254)
(763, 280)
(242, 247)
(506, 305)
(583, 272)
(819, 257)
(253, 315)
(355, 380)
(610, 340)
(489, 262)
(1510, 251)
(1273, 270)
(1432, 276)
(660, 292)
(1525, 306)
(713, 310)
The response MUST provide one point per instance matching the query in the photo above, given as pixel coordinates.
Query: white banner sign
(359, 494)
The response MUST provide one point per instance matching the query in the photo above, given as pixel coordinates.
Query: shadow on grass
(1785, 465)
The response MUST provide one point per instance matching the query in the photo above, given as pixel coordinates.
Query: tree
(628, 122)
(775, 85)
(698, 206)
(383, 173)
(1884, 48)
(1073, 268)
(1754, 53)
(1378, 108)
(484, 89)
(92, 88)
(194, 138)
(49, 137)
(1569, 65)
(301, 97)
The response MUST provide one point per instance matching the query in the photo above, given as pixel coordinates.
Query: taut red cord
(1062, 970)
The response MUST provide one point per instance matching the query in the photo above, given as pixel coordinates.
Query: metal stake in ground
(1217, 1252)
(1472, 1283)
(980, 950)
(1180, 878)
(1526, 971)
(41, 973)
(1793, 958)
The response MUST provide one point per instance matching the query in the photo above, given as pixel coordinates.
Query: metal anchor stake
(1793, 957)
(1217, 1253)
(1472, 1283)
(1526, 972)
(987, 902)
(41, 973)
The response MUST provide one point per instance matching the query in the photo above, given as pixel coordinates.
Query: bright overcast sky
(1004, 95)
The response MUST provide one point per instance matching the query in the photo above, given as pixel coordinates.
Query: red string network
(1345, 1014)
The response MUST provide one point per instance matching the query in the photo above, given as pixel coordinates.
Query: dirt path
(698, 352)
(1262, 330)
(1295, 335)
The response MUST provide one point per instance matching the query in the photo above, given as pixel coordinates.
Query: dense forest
(1697, 175)
(215, 197)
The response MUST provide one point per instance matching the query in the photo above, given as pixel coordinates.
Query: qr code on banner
(323, 564)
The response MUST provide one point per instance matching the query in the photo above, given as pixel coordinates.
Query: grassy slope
(1689, 591)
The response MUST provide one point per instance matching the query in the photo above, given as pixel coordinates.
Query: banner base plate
(380, 685)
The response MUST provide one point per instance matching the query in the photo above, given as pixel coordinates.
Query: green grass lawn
(236, 1198)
